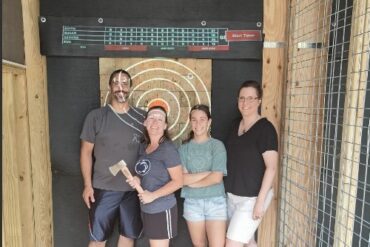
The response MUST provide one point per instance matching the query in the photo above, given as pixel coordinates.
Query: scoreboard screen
(121, 38)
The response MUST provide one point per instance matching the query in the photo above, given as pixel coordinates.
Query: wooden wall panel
(17, 189)
(11, 204)
(24, 161)
(273, 77)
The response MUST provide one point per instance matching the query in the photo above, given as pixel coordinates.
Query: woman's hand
(134, 182)
(258, 210)
(147, 197)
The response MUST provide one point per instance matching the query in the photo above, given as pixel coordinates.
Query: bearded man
(110, 134)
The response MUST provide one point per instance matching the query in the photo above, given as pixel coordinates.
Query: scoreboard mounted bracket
(107, 37)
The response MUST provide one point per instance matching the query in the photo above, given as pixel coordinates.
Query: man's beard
(120, 96)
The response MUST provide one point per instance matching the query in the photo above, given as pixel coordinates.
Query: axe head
(114, 169)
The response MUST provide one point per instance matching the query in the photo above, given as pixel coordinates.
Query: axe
(122, 166)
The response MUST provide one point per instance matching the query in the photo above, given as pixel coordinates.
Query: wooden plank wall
(306, 79)
(18, 217)
(27, 211)
(357, 78)
(273, 77)
(11, 210)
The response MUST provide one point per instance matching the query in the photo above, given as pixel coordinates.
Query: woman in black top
(252, 159)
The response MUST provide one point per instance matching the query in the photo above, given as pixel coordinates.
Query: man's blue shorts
(112, 205)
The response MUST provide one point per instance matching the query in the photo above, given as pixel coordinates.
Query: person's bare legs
(159, 242)
(251, 243)
(197, 230)
(216, 232)
(232, 243)
(96, 244)
(125, 242)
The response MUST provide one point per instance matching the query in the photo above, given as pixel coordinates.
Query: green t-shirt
(200, 157)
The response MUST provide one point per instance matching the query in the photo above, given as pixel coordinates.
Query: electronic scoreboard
(143, 38)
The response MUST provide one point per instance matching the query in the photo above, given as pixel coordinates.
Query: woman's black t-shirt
(245, 164)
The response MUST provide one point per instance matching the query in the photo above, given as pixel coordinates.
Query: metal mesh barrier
(325, 184)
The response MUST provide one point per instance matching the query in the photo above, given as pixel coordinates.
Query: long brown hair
(253, 84)
(200, 107)
(165, 136)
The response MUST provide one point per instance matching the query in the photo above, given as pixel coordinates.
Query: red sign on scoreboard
(125, 47)
(243, 35)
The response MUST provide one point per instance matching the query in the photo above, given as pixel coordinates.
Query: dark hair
(166, 135)
(253, 84)
(114, 73)
(200, 107)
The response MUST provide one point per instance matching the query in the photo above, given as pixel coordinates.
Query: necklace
(243, 129)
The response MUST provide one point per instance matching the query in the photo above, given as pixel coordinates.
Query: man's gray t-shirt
(115, 138)
(152, 168)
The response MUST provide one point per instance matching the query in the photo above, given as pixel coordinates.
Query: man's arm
(86, 170)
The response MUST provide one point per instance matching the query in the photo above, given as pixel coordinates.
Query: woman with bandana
(159, 172)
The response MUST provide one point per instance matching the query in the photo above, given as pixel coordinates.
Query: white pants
(240, 213)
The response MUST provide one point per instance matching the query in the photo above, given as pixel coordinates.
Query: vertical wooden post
(273, 77)
(357, 79)
(38, 124)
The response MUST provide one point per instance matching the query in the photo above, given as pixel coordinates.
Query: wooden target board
(176, 84)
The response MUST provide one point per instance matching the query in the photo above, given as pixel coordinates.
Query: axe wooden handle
(128, 175)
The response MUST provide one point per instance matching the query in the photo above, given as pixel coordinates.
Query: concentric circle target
(176, 85)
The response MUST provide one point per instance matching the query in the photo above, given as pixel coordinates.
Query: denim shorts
(202, 209)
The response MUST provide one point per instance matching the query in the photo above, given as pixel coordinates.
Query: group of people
(217, 213)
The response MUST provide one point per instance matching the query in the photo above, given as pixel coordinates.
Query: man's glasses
(247, 99)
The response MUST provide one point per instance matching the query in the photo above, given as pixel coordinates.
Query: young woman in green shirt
(204, 165)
